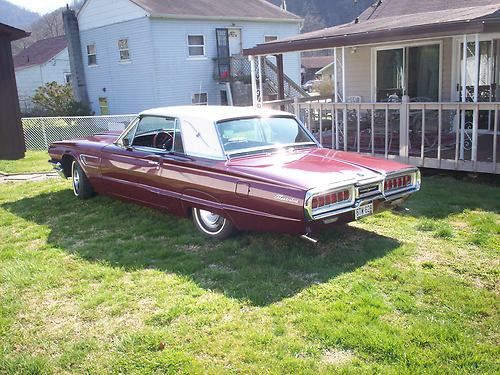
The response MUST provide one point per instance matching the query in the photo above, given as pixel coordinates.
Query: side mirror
(126, 142)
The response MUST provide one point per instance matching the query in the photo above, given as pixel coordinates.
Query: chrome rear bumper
(391, 200)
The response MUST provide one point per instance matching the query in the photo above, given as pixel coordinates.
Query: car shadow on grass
(258, 268)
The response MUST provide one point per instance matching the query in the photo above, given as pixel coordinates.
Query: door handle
(153, 160)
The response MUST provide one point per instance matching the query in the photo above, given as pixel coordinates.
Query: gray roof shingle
(392, 8)
(40, 52)
(259, 9)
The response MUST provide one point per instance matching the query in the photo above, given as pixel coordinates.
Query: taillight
(329, 199)
(396, 183)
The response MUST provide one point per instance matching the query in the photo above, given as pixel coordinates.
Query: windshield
(255, 134)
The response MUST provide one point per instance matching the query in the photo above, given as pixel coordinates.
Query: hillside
(13, 15)
(325, 13)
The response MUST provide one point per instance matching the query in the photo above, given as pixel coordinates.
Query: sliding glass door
(412, 71)
(390, 75)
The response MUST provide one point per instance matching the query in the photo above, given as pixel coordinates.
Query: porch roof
(469, 20)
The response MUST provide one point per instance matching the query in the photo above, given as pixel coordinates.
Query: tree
(58, 100)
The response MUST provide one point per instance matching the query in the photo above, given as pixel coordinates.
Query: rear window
(247, 133)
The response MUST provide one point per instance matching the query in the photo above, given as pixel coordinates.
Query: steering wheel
(163, 140)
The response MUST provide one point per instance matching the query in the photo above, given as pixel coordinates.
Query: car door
(130, 168)
(174, 173)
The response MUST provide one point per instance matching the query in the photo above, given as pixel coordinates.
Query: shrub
(58, 100)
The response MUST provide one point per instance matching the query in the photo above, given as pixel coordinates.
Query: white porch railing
(452, 136)
(39, 132)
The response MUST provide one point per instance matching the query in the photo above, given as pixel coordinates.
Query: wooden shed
(11, 132)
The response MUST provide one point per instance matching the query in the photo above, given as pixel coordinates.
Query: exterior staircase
(236, 71)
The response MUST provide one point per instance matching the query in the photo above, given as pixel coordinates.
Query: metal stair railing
(292, 90)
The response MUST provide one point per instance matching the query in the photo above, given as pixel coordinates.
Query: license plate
(363, 211)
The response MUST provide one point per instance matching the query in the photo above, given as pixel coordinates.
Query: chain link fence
(39, 132)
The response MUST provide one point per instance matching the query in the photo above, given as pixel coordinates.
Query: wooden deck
(455, 136)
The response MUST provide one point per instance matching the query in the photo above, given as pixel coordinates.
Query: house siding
(358, 73)
(179, 76)
(128, 86)
(99, 13)
(30, 78)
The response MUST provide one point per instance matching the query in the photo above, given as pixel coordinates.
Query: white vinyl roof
(197, 122)
(213, 113)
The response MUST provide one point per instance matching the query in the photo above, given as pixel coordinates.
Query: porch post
(335, 77)
(336, 98)
(403, 127)
(281, 77)
(476, 99)
(464, 97)
(254, 80)
(343, 75)
(344, 99)
(260, 92)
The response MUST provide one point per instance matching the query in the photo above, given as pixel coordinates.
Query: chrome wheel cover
(211, 221)
(76, 179)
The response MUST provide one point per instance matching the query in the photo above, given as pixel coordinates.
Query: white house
(43, 62)
(139, 54)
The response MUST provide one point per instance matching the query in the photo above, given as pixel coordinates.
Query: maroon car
(233, 168)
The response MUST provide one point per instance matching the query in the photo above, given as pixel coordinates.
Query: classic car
(233, 168)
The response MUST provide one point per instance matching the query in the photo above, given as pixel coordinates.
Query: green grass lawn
(34, 161)
(102, 286)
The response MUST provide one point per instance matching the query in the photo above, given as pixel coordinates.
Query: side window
(196, 45)
(129, 136)
(91, 55)
(158, 132)
(270, 38)
(124, 50)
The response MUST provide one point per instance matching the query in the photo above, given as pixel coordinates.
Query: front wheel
(81, 184)
(212, 225)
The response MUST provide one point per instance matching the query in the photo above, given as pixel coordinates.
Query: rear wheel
(81, 184)
(211, 224)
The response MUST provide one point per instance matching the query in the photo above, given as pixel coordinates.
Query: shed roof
(316, 62)
(12, 33)
(40, 52)
(259, 9)
(444, 22)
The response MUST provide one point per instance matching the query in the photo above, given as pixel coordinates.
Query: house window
(270, 38)
(412, 71)
(91, 54)
(200, 99)
(67, 78)
(103, 106)
(124, 51)
(196, 45)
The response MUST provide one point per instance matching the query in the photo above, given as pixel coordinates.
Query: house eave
(225, 18)
(12, 33)
(378, 36)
